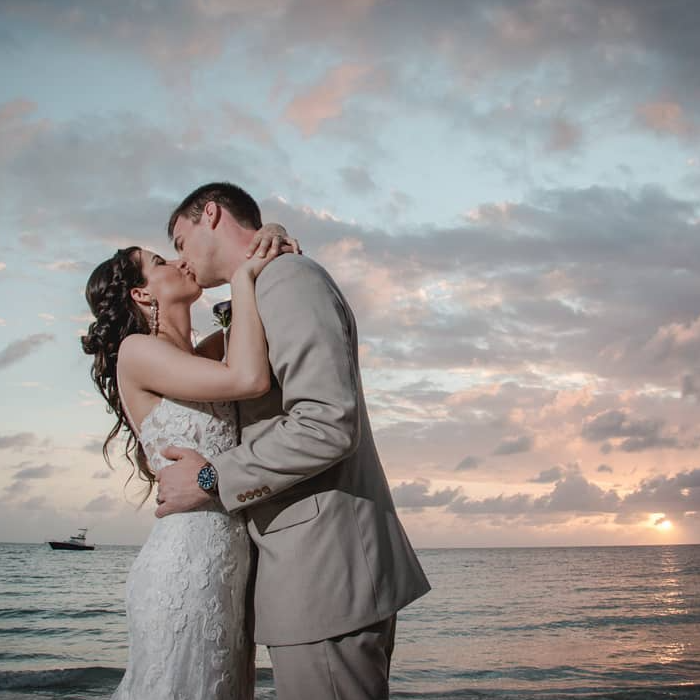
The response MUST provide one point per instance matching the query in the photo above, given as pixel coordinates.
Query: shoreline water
(533, 623)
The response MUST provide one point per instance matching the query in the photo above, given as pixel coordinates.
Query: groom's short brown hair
(234, 199)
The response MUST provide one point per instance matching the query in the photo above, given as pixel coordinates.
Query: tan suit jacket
(333, 556)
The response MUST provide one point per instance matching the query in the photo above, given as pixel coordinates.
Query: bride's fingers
(254, 243)
(263, 247)
(288, 247)
(270, 237)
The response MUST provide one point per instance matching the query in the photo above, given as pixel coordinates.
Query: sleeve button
(241, 497)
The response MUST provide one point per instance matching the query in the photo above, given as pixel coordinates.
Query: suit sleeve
(311, 350)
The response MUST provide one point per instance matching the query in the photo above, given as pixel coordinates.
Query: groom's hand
(178, 490)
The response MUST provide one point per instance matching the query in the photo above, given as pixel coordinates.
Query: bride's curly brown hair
(116, 317)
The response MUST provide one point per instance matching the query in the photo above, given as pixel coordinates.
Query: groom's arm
(312, 354)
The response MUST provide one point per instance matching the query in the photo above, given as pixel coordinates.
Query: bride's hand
(272, 237)
(255, 265)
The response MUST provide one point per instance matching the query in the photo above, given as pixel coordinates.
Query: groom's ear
(212, 211)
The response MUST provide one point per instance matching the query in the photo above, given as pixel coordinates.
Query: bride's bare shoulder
(137, 346)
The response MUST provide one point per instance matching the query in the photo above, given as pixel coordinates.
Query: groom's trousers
(353, 666)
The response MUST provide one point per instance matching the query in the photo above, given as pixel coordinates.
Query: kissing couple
(268, 481)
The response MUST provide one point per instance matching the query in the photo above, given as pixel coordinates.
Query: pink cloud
(564, 135)
(675, 341)
(15, 110)
(17, 130)
(326, 99)
(666, 117)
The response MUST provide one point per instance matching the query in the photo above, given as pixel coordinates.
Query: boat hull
(70, 545)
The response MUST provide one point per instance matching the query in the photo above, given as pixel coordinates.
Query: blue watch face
(206, 478)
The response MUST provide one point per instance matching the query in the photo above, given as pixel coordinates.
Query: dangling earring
(153, 322)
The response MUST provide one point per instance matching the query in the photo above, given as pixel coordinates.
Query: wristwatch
(208, 479)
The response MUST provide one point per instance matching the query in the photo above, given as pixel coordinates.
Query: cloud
(690, 386)
(542, 288)
(43, 472)
(101, 504)
(602, 53)
(102, 475)
(493, 505)
(20, 441)
(547, 476)
(666, 118)
(34, 503)
(575, 493)
(675, 496)
(604, 468)
(564, 136)
(617, 423)
(639, 434)
(175, 37)
(571, 494)
(32, 241)
(649, 442)
(514, 445)
(94, 446)
(416, 495)
(679, 339)
(238, 121)
(357, 180)
(66, 266)
(468, 463)
(16, 109)
(19, 349)
(325, 100)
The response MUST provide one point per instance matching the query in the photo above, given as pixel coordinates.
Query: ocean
(553, 623)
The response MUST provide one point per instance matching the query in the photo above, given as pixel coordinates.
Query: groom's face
(195, 244)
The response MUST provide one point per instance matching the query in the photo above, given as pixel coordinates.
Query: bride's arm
(158, 366)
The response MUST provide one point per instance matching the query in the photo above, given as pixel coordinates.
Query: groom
(334, 562)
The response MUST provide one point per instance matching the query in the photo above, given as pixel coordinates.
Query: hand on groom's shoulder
(294, 269)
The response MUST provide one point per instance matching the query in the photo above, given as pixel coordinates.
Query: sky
(506, 191)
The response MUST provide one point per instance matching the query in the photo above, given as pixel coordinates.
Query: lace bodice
(210, 428)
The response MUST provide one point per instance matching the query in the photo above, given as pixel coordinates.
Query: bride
(186, 591)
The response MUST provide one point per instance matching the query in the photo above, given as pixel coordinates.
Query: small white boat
(78, 541)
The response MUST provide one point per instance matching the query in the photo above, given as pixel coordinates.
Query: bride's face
(169, 281)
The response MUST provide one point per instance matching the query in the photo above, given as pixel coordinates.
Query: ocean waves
(43, 613)
(680, 692)
(54, 679)
(616, 621)
(100, 681)
(603, 623)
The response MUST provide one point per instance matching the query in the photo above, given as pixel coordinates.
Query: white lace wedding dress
(186, 591)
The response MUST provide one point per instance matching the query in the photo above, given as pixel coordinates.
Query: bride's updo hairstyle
(116, 317)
